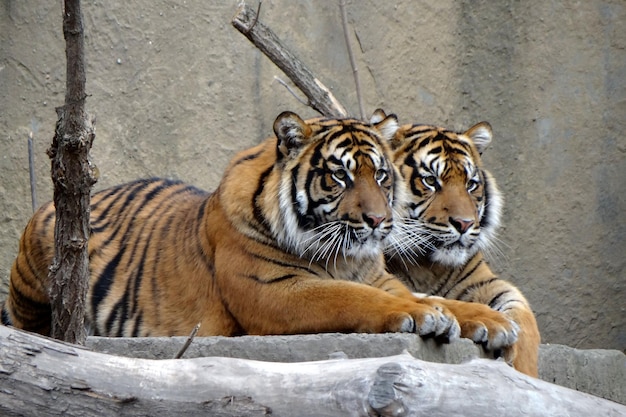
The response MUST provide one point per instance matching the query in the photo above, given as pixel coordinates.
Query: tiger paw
(491, 334)
(483, 325)
(435, 321)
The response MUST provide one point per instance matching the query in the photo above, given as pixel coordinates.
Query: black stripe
(443, 283)
(379, 285)
(495, 300)
(473, 287)
(464, 277)
(6, 320)
(130, 190)
(246, 158)
(282, 264)
(101, 289)
(272, 280)
(422, 143)
(486, 220)
(48, 218)
(31, 304)
(31, 269)
(344, 143)
(435, 150)
(119, 310)
(316, 156)
(103, 283)
(257, 210)
(137, 326)
(35, 308)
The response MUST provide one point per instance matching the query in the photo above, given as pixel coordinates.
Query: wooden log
(319, 96)
(43, 377)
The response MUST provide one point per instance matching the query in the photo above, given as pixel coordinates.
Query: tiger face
(454, 205)
(337, 187)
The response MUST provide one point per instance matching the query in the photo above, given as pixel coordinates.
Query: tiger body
(290, 242)
(454, 210)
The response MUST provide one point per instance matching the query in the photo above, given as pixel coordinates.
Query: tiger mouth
(449, 244)
(342, 239)
(365, 237)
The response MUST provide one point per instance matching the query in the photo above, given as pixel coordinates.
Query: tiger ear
(378, 116)
(481, 135)
(386, 124)
(291, 132)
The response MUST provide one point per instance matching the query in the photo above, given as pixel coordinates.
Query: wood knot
(383, 396)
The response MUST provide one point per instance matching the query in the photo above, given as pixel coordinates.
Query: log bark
(72, 176)
(319, 96)
(43, 377)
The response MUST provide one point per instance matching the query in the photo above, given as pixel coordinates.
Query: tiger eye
(380, 175)
(430, 181)
(340, 174)
(472, 185)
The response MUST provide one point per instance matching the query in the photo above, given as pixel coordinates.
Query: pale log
(43, 377)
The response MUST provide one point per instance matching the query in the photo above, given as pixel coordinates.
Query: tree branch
(182, 350)
(355, 70)
(320, 98)
(31, 172)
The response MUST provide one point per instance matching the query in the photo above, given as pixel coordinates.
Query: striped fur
(454, 206)
(290, 242)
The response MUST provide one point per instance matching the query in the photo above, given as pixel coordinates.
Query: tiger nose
(462, 225)
(373, 220)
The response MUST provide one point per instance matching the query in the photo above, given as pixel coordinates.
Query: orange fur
(453, 212)
(290, 242)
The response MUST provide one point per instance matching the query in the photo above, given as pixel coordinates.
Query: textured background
(177, 91)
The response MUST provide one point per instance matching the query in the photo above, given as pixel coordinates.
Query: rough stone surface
(177, 91)
(595, 371)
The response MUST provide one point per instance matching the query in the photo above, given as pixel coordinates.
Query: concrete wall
(176, 91)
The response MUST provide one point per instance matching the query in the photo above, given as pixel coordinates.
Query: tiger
(454, 211)
(291, 241)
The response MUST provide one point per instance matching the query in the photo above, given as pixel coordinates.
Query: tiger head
(337, 186)
(454, 205)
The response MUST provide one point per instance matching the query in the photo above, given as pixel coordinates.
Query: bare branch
(355, 70)
(31, 172)
(293, 93)
(182, 351)
(320, 97)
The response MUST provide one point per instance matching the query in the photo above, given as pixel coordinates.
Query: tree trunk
(72, 178)
(43, 377)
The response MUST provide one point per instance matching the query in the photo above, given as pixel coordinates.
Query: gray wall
(177, 91)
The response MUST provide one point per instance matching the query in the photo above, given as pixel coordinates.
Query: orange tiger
(290, 242)
(451, 218)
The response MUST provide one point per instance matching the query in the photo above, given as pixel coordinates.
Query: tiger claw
(440, 326)
(504, 338)
(408, 325)
(494, 339)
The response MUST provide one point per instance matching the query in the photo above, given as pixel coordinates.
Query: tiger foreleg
(447, 322)
(524, 353)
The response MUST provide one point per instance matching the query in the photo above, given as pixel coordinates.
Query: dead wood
(72, 176)
(44, 377)
(320, 98)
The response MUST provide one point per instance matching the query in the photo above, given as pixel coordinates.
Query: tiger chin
(449, 222)
(290, 242)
